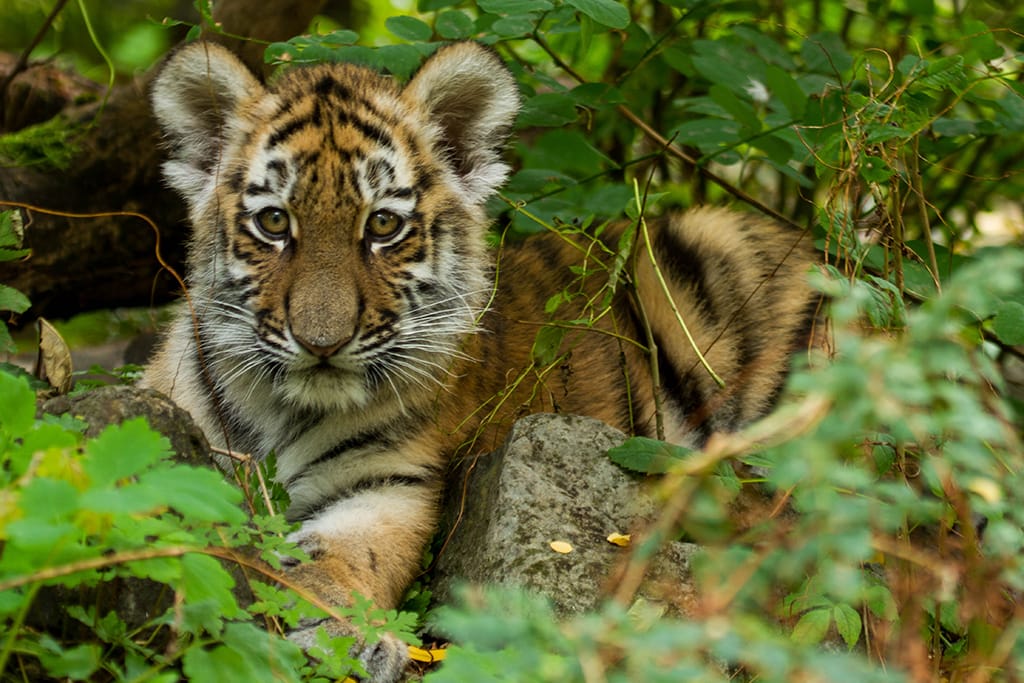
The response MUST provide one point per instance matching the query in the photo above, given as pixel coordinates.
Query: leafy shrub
(77, 512)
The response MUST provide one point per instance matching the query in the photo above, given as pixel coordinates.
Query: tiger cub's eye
(383, 224)
(273, 222)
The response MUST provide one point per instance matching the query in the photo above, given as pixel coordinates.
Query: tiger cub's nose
(320, 346)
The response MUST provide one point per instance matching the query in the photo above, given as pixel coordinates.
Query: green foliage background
(892, 131)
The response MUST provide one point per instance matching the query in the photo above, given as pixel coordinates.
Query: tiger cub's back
(738, 283)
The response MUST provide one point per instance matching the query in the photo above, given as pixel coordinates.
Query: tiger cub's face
(338, 218)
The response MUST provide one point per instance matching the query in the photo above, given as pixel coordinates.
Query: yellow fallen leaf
(561, 547)
(621, 540)
(986, 488)
(418, 654)
(53, 362)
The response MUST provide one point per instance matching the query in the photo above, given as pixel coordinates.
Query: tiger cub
(346, 314)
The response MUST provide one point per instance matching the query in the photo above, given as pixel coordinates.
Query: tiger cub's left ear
(466, 90)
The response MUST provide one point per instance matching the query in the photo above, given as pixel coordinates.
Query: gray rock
(550, 481)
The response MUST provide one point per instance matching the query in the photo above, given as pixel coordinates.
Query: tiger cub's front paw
(385, 660)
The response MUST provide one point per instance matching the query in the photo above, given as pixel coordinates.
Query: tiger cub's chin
(325, 389)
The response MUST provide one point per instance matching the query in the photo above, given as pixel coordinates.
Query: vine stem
(98, 563)
(668, 294)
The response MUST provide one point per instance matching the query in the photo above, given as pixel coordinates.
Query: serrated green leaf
(13, 300)
(812, 627)
(203, 579)
(162, 569)
(77, 663)
(10, 235)
(879, 600)
(17, 405)
(848, 624)
(122, 451)
(1008, 323)
(648, 456)
(7, 344)
(14, 254)
(195, 492)
(454, 25)
(606, 12)
(408, 28)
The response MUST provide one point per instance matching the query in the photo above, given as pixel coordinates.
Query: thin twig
(247, 460)
(22, 62)
(668, 297)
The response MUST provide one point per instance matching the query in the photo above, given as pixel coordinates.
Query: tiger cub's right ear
(195, 99)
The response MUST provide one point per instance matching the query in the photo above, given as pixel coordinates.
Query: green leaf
(424, 6)
(13, 300)
(708, 133)
(205, 580)
(1008, 323)
(17, 405)
(607, 12)
(408, 28)
(123, 451)
(778, 150)
(812, 627)
(648, 456)
(547, 109)
(514, 6)
(13, 254)
(785, 88)
(401, 60)
(247, 654)
(515, 25)
(923, 9)
(740, 110)
(848, 623)
(454, 25)
(77, 663)
(548, 344)
(826, 53)
(714, 62)
(195, 492)
(981, 41)
(11, 229)
(874, 169)
(879, 600)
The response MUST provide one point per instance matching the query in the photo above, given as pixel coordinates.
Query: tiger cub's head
(338, 218)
